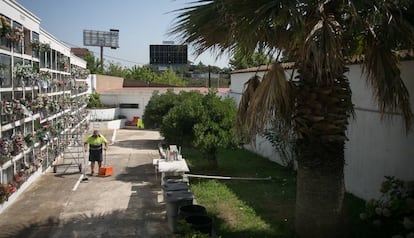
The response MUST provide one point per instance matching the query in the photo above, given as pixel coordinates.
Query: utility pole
(102, 63)
(218, 80)
(209, 76)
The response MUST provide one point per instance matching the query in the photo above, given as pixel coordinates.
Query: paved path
(122, 205)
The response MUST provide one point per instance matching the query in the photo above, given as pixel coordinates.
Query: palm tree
(315, 105)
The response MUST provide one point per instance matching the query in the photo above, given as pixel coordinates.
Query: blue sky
(140, 23)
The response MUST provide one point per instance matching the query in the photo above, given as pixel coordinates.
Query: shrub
(157, 107)
(193, 119)
(94, 101)
(177, 125)
(393, 212)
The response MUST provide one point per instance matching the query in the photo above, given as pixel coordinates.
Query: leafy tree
(316, 106)
(141, 73)
(217, 126)
(157, 107)
(204, 121)
(177, 75)
(193, 119)
(92, 63)
(170, 78)
(116, 70)
(177, 125)
(243, 60)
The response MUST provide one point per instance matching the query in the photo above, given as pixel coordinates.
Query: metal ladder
(73, 155)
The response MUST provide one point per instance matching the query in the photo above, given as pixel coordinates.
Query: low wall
(108, 125)
(104, 114)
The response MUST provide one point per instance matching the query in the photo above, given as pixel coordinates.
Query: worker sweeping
(97, 143)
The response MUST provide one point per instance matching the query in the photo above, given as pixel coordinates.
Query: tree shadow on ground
(138, 144)
(111, 225)
(141, 173)
(144, 216)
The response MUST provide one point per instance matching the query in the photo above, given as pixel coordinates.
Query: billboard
(168, 54)
(101, 38)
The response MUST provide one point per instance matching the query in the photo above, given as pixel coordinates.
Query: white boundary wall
(375, 148)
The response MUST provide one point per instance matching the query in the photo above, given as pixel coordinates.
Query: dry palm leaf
(271, 103)
(250, 87)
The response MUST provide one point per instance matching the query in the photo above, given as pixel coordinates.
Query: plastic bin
(174, 200)
(180, 186)
(191, 210)
(171, 187)
(201, 223)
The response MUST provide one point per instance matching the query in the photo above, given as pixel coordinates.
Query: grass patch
(243, 208)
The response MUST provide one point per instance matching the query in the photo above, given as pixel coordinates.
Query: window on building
(5, 70)
(48, 55)
(128, 105)
(16, 61)
(27, 43)
(54, 59)
(42, 59)
(35, 66)
(4, 42)
(18, 37)
(35, 38)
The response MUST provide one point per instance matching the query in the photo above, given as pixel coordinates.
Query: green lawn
(243, 208)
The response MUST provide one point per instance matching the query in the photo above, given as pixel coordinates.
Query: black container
(174, 187)
(201, 223)
(191, 210)
(175, 200)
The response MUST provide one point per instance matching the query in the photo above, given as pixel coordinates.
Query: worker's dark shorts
(95, 155)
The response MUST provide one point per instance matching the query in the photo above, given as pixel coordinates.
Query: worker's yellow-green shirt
(98, 141)
(140, 123)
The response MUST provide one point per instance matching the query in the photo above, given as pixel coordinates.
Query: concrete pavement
(122, 205)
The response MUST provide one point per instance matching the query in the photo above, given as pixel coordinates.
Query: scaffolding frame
(73, 154)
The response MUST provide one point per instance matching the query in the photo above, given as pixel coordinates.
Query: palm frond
(381, 66)
(223, 24)
(389, 30)
(204, 24)
(271, 104)
(322, 46)
(250, 87)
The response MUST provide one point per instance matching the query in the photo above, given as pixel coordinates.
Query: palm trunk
(320, 192)
(321, 119)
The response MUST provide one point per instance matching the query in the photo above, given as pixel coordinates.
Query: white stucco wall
(108, 125)
(103, 114)
(142, 98)
(375, 148)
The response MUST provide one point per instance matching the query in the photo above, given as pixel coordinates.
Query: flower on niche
(21, 71)
(19, 144)
(6, 147)
(7, 107)
(5, 27)
(45, 75)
